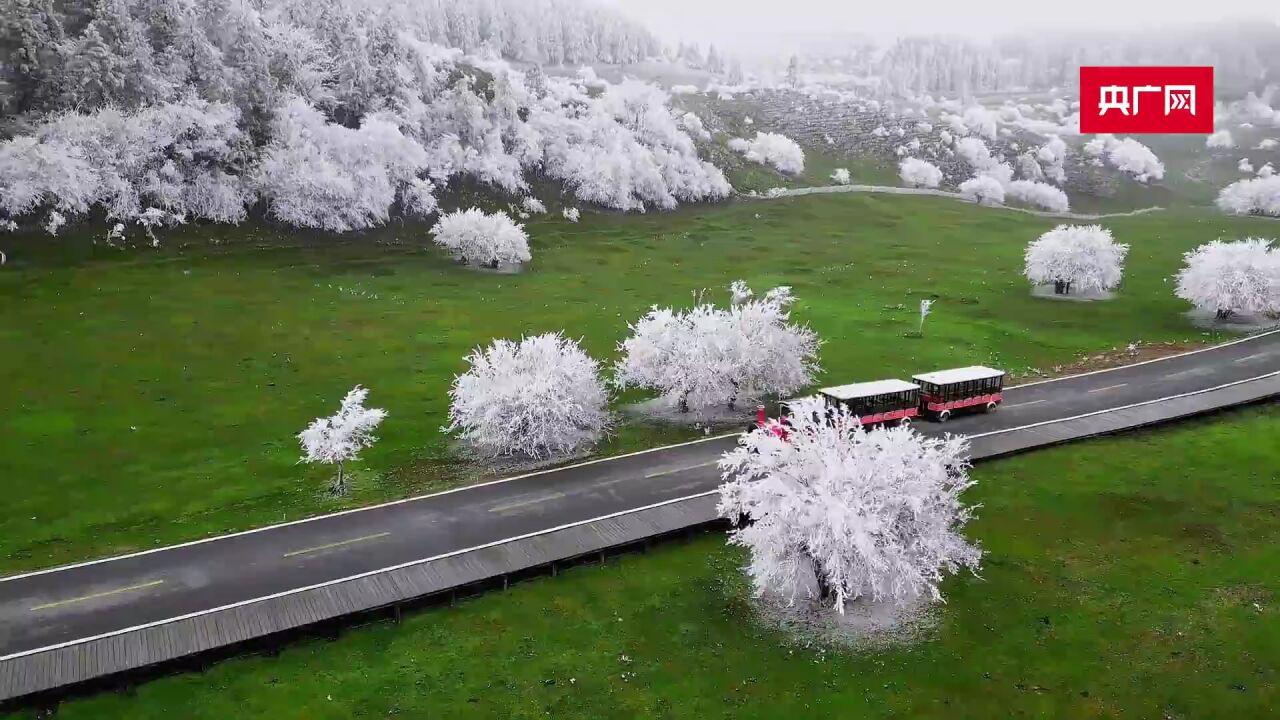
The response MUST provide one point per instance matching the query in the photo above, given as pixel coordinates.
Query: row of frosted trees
(543, 395)
(1223, 277)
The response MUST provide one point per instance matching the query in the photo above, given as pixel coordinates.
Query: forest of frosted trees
(332, 114)
(1245, 56)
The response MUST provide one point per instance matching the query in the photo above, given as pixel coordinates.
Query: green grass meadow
(1127, 577)
(152, 395)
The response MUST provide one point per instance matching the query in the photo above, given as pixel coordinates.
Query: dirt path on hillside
(890, 190)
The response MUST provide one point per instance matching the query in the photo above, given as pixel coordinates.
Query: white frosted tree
(773, 149)
(1128, 156)
(1038, 194)
(1260, 195)
(767, 354)
(919, 173)
(840, 176)
(707, 356)
(983, 189)
(837, 514)
(476, 237)
(1081, 257)
(1220, 140)
(338, 439)
(1229, 278)
(538, 397)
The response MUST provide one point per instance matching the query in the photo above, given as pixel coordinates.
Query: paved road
(62, 605)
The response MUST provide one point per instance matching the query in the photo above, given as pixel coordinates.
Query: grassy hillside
(1126, 577)
(152, 396)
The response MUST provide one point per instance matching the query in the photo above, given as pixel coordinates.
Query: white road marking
(1029, 402)
(95, 596)
(332, 545)
(1192, 371)
(679, 470)
(1109, 387)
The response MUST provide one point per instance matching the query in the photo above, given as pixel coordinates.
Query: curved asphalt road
(62, 605)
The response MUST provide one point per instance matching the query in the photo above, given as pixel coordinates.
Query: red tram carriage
(946, 391)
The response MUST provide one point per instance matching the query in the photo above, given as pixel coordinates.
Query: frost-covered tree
(983, 189)
(793, 72)
(1260, 195)
(1084, 257)
(572, 214)
(541, 396)
(1052, 157)
(1220, 140)
(926, 307)
(476, 237)
(773, 149)
(168, 156)
(838, 514)
(840, 176)
(338, 439)
(1038, 194)
(1240, 277)
(1128, 156)
(707, 356)
(919, 173)
(334, 114)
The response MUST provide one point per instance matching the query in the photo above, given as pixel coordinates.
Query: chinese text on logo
(1146, 100)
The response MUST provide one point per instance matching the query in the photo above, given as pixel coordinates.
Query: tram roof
(958, 375)
(867, 389)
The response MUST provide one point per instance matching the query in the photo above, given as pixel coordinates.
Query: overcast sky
(742, 23)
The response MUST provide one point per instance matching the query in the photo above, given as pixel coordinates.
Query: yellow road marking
(1109, 387)
(1029, 402)
(1248, 358)
(523, 503)
(679, 470)
(95, 596)
(332, 545)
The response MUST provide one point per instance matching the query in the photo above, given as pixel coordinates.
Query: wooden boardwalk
(226, 628)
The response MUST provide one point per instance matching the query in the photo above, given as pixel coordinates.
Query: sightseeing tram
(946, 391)
(936, 395)
(877, 402)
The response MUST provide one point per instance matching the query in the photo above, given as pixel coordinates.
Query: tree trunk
(1061, 287)
(339, 486)
(733, 399)
(1223, 313)
(684, 403)
(825, 591)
